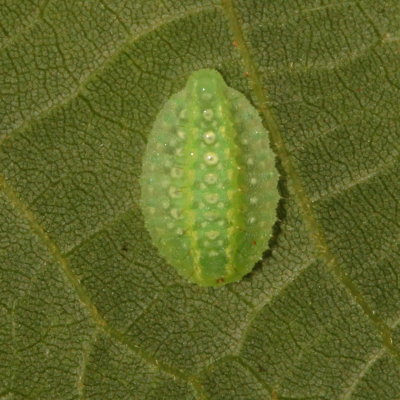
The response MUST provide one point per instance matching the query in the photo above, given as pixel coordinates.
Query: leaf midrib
(315, 230)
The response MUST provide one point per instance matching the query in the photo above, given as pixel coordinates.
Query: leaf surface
(88, 310)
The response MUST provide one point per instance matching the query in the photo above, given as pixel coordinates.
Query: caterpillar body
(209, 182)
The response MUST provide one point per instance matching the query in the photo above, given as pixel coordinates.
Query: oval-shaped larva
(209, 182)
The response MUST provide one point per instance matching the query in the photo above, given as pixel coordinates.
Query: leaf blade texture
(87, 307)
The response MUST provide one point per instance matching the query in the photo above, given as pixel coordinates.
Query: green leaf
(88, 310)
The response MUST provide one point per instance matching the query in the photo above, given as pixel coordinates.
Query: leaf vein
(356, 182)
(97, 70)
(305, 204)
(81, 292)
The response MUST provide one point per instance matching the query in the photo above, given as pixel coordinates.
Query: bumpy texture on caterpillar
(209, 182)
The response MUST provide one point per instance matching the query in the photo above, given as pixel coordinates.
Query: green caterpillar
(209, 182)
